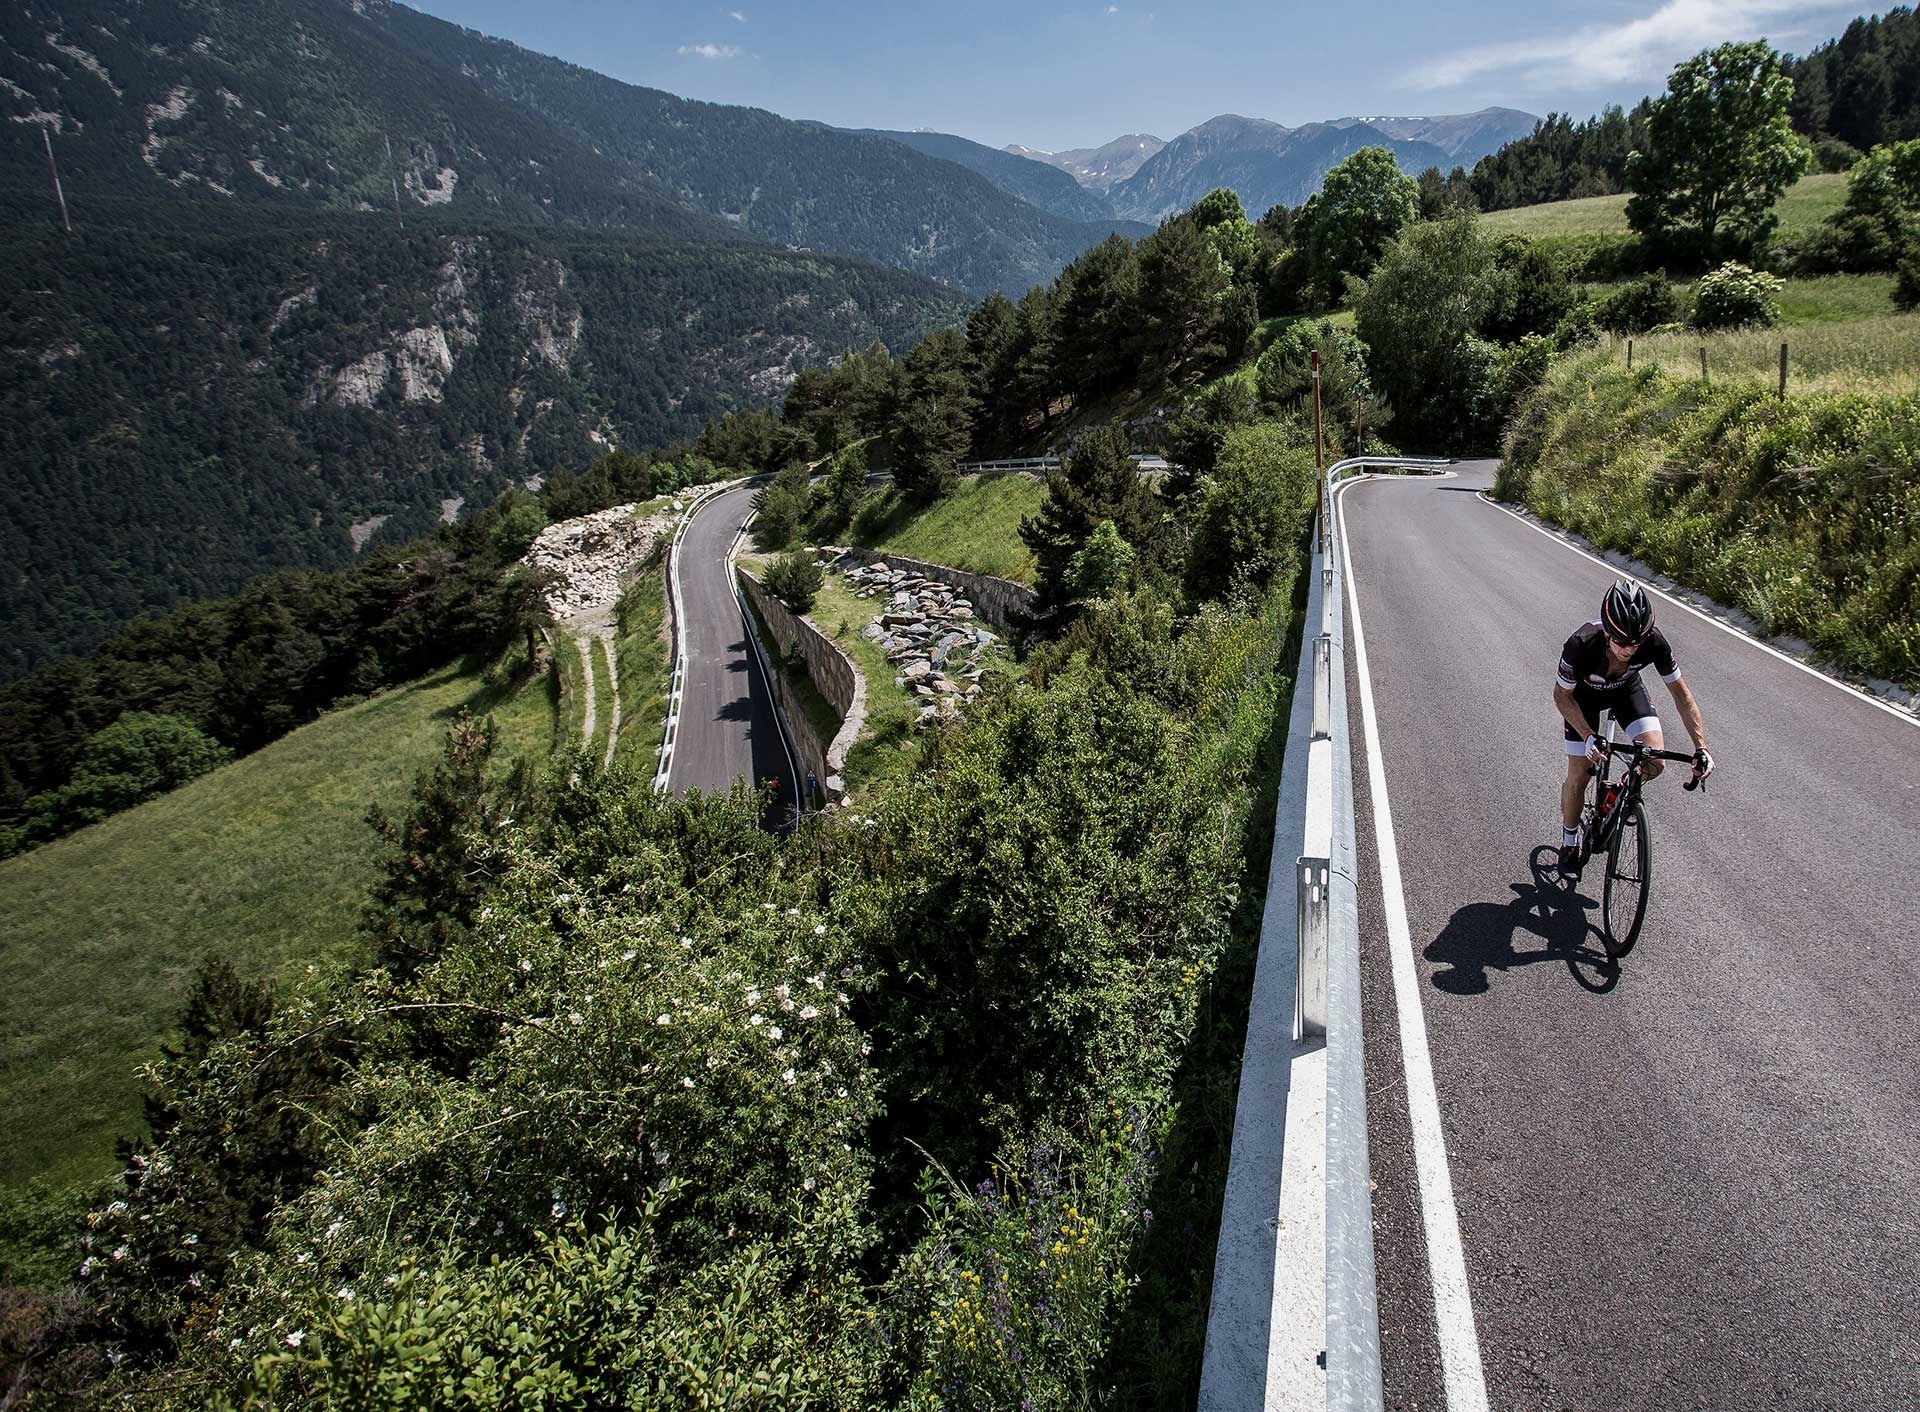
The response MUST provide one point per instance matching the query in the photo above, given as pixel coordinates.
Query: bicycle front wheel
(1623, 896)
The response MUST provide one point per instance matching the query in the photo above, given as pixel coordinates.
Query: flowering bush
(1014, 1286)
(1734, 296)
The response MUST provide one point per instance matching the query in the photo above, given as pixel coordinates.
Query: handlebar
(1645, 752)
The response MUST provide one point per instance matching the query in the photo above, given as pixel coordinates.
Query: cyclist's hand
(1596, 750)
(1702, 764)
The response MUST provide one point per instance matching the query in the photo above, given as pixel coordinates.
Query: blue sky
(1057, 75)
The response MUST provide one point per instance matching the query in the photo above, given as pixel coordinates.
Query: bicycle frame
(1602, 823)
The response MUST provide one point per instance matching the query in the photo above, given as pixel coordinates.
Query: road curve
(727, 727)
(1693, 1181)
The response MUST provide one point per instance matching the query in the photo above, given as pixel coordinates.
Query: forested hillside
(184, 405)
(1048, 187)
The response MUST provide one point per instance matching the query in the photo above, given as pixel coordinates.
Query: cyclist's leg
(1573, 788)
(1635, 707)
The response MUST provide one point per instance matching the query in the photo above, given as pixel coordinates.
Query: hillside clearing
(1807, 202)
(1877, 357)
(976, 528)
(264, 861)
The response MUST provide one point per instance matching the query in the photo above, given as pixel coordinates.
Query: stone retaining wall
(832, 671)
(1000, 601)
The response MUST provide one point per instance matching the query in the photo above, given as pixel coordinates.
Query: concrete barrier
(832, 671)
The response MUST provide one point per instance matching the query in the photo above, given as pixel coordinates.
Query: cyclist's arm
(1564, 703)
(1689, 712)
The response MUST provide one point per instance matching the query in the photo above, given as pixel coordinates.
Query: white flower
(770, 907)
(817, 982)
(294, 1339)
(753, 996)
(787, 1005)
(713, 1061)
(793, 911)
(840, 996)
(839, 1093)
(576, 1017)
(303, 1257)
(819, 928)
(334, 1228)
(344, 1292)
(525, 964)
(807, 1185)
(687, 942)
(116, 1208)
(757, 1020)
(782, 991)
(776, 1034)
(559, 1208)
(628, 954)
(234, 1342)
(686, 1082)
(787, 1076)
(86, 1267)
(807, 1012)
(664, 1020)
(119, 1252)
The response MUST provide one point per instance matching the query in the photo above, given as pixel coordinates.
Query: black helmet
(1625, 612)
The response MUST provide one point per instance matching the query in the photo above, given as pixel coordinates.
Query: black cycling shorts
(1632, 712)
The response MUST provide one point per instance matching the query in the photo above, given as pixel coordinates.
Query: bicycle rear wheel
(1623, 895)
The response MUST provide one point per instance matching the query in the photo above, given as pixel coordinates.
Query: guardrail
(1294, 1321)
(1046, 463)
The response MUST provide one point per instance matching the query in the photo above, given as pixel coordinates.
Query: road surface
(727, 726)
(1693, 1181)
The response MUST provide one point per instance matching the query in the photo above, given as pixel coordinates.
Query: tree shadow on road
(1487, 936)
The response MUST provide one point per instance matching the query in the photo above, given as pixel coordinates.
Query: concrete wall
(832, 671)
(996, 600)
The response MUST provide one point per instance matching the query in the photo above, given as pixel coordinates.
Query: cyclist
(1600, 671)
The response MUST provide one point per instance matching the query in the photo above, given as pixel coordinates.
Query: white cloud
(1113, 9)
(1597, 55)
(735, 14)
(709, 51)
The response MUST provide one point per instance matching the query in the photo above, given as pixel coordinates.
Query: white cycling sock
(1569, 837)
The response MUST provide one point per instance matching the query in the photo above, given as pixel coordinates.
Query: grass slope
(1807, 202)
(641, 652)
(1875, 357)
(977, 528)
(265, 860)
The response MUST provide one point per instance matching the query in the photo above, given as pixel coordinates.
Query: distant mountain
(358, 103)
(1466, 137)
(1268, 164)
(1048, 187)
(1098, 168)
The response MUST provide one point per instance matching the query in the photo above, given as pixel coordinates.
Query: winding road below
(1689, 1182)
(727, 730)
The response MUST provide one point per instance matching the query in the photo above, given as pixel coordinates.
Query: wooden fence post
(1783, 372)
(1703, 366)
(1629, 355)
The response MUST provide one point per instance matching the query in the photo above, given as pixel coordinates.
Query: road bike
(1615, 826)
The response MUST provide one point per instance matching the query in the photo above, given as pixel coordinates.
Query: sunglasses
(1625, 644)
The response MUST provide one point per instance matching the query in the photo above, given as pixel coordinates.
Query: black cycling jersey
(1584, 667)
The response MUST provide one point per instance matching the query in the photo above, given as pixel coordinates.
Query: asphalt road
(1692, 1181)
(727, 726)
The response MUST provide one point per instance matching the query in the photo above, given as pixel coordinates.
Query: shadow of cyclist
(1484, 936)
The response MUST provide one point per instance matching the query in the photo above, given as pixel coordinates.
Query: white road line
(1708, 618)
(1452, 1299)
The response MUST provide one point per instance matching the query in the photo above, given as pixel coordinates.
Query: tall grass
(1804, 512)
(976, 528)
(1873, 357)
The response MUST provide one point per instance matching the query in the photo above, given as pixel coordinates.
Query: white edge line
(1455, 1331)
(1707, 618)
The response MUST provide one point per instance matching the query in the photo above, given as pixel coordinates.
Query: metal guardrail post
(1311, 879)
(1322, 685)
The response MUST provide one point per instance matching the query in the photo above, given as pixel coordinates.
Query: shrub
(1833, 154)
(1647, 303)
(1906, 283)
(1247, 533)
(795, 580)
(1104, 563)
(781, 507)
(1735, 296)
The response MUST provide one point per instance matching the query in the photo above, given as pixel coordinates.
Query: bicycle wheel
(1623, 896)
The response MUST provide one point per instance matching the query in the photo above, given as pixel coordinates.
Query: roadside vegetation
(1803, 513)
(976, 527)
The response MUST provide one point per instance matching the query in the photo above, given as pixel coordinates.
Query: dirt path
(613, 675)
(586, 691)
